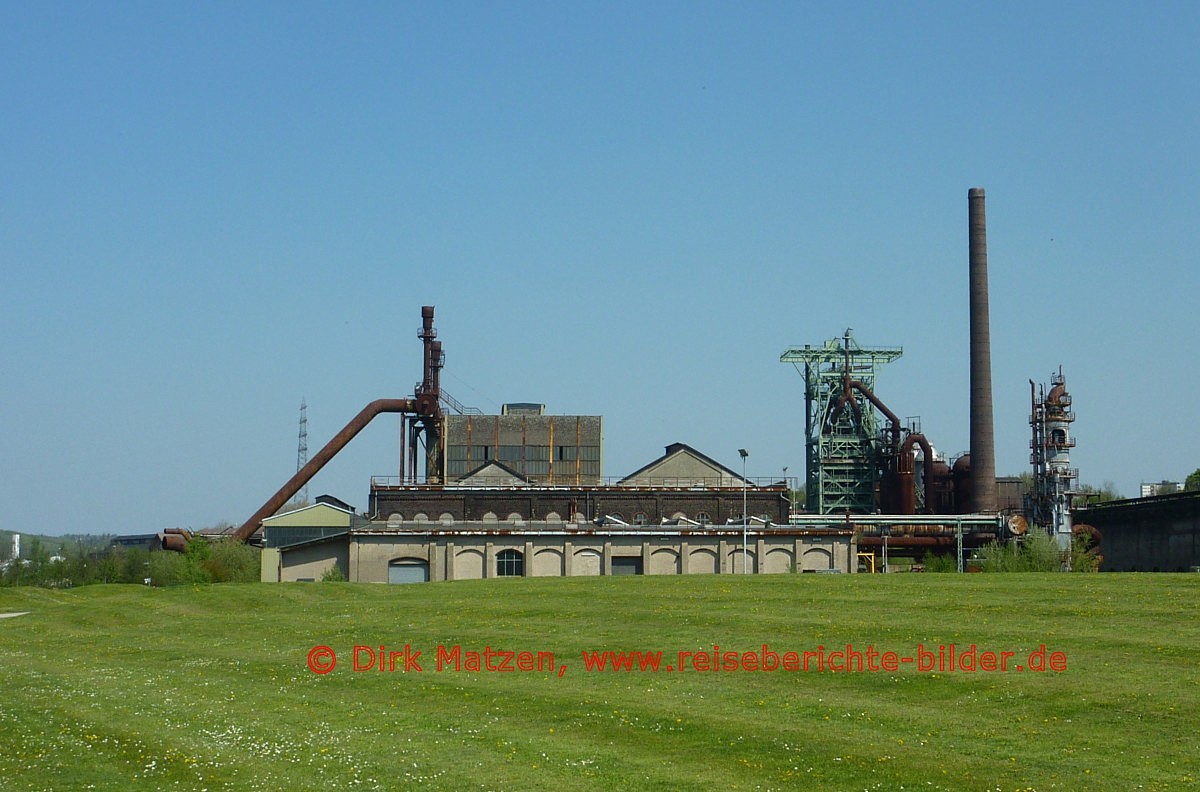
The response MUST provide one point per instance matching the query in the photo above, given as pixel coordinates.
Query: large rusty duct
(897, 491)
(983, 446)
(426, 417)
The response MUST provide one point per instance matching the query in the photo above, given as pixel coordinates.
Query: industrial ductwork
(423, 414)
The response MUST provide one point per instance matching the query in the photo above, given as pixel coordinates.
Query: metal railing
(611, 482)
(457, 406)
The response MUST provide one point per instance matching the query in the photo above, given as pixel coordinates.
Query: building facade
(478, 550)
(540, 448)
(682, 484)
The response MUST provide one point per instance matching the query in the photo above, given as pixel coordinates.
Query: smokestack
(983, 445)
(16, 546)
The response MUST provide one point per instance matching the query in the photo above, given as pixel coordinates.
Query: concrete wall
(270, 564)
(1158, 534)
(311, 561)
(451, 556)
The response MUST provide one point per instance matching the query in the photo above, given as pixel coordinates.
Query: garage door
(408, 572)
(627, 565)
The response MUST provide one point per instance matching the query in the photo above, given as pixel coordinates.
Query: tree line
(73, 564)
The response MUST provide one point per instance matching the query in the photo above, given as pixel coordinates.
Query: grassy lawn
(122, 687)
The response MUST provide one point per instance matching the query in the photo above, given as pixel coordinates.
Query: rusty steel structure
(1050, 418)
(983, 445)
(858, 464)
(424, 424)
(861, 460)
(422, 415)
(843, 442)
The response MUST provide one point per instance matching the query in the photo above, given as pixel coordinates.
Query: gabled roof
(493, 473)
(339, 536)
(317, 514)
(337, 503)
(683, 465)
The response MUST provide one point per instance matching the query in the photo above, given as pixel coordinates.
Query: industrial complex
(523, 493)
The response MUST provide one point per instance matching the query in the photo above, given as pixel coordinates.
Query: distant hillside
(52, 544)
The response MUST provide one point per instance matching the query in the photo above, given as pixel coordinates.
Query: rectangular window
(537, 453)
(566, 453)
(510, 453)
(481, 453)
(455, 453)
(591, 453)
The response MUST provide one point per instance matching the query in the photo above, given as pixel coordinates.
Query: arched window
(703, 518)
(510, 563)
(640, 518)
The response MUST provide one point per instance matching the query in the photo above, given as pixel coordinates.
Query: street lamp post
(745, 554)
(886, 531)
(791, 505)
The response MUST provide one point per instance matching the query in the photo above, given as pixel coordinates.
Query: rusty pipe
(304, 474)
(868, 393)
(916, 438)
(879, 405)
(969, 540)
(427, 335)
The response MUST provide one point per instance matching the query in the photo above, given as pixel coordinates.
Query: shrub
(939, 563)
(333, 575)
(1039, 552)
(231, 561)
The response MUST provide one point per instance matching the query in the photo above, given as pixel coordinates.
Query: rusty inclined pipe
(339, 441)
(983, 445)
(424, 406)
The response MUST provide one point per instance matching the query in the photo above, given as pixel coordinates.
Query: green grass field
(121, 687)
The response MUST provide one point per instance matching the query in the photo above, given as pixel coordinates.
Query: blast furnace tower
(843, 442)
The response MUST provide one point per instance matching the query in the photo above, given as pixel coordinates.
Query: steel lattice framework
(843, 447)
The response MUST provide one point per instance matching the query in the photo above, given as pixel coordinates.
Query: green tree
(1102, 494)
(107, 567)
(14, 573)
(169, 568)
(1085, 555)
(197, 556)
(231, 561)
(1193, 481)
(135, 565)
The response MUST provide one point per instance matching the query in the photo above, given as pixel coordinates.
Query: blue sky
(209, 212)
